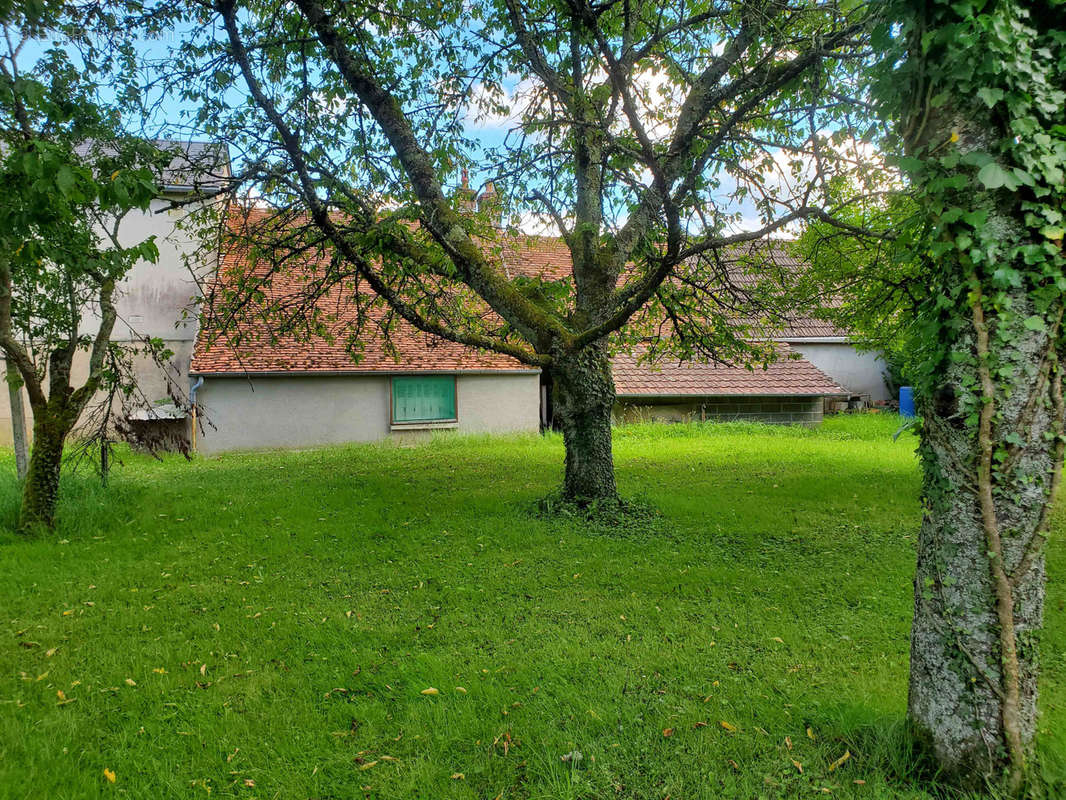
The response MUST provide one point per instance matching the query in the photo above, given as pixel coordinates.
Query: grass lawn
(267, 625)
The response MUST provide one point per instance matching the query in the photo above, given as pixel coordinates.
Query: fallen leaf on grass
(50, 652)
(431, 691)
(699, 724)
(841, 760)
(159, 671)
(61, 694)
(109, 774)
(367, 765)
(460, 689)
(203, 669)
(788, 742)
(728, 726)
(668, 732)
(797, 765)
(249, 783)
(810, 734)
(131, 682)
(778, 639)
(458, 776)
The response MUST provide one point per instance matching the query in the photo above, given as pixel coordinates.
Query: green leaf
(1034, 323)
(990, 96)
(65, 180)
(993, 176)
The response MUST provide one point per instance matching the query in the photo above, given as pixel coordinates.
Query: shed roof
(670, 378)
(259, 349)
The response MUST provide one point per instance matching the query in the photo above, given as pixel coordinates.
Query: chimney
(488, 203)
(466, 196)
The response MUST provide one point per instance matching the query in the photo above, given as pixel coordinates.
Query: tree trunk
(18, 421)
(40, 492)
(974, 670)
(583, 399)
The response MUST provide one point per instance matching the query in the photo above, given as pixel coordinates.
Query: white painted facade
(861, 373)
(154, 299)
(308, 410)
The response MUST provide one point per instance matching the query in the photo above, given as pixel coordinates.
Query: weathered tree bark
(992, 452)
(584, 397)
(976, 612)
(18, 421)
(40, 492)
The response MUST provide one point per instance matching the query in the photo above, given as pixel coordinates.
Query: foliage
(635, 129)
(1018, 81)
(869, 284)
(805, 535)
(69, 173)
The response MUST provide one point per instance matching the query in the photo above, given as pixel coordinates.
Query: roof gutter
(622, 396)
(814, 340)
(345, 373)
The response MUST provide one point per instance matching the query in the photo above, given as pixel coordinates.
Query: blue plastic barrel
(906, 401)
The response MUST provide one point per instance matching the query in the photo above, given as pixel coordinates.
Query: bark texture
(40, 492)
(584, 398)
(980, 582)
(18, 422)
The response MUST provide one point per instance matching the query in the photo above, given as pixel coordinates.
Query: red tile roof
(255, 347)
(787, 376)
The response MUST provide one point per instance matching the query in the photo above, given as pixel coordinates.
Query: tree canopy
(641, 132)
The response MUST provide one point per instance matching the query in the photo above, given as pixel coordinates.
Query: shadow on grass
(886, 745)
(635, 518)
(85, 508)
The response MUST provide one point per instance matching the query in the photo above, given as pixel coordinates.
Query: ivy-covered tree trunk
(584, 398)
(977, 96)
(990, 468)
(40, 492)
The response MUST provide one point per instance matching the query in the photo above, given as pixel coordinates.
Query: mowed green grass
(265, 625)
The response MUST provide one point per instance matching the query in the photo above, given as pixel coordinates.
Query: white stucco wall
(308, 411)
(151, 301)
(860, 373)
(152, 297)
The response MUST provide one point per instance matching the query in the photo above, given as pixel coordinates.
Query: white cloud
(489, 110)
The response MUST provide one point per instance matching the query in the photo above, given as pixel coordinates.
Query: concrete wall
(307, 411)
(859, 373)
(151, 301)
(774, 410)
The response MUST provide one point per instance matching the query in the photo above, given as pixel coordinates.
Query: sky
(490, 129)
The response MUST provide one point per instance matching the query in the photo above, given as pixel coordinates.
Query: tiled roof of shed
(258, 349)
(255, 347)
(786, 376)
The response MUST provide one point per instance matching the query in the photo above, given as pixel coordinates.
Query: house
(154, 299)
(287, 391)
(258, 388)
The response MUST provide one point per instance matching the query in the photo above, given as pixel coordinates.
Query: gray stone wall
(775, 410)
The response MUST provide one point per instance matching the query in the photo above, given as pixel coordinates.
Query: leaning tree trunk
(583, 400)
(979, 588)
(40, 492)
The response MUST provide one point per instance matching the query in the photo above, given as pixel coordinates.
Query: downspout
(192, 402)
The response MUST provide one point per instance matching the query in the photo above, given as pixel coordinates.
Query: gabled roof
(257, 348)
(196, 166)
(253, 345)
(786, 376)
